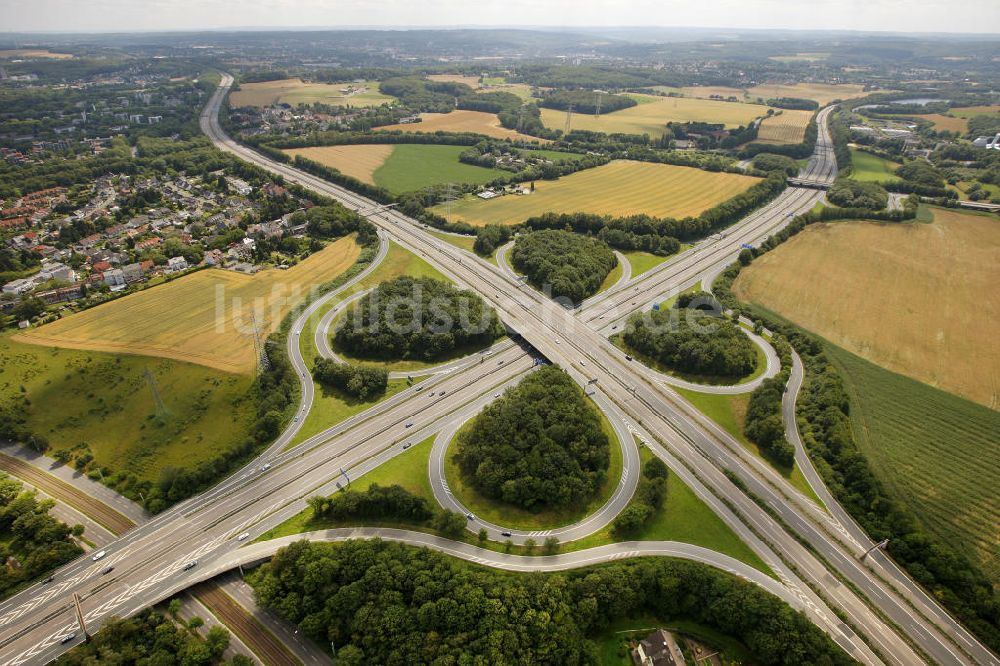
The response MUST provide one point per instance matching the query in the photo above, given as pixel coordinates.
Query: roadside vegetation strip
(58, 489)
(653, 113)
(478, 122)
(244, 626)
(618, 189)
(950, 263)
(180, 320)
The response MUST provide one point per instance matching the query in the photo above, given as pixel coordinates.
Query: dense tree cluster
(772, 162)
(585, 101)
(151, 638)
(649, 497)
(691, 342)
(490, 237)
(793, 103)
(354, 595)
(335, 221)
(361, 381)
(920, 172)
(31, 541)
(763, 425)
(375, 503)
(572, 266)
(416, 318)
(541, 445)
(848, 193)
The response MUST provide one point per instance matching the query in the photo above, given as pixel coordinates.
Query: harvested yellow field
(948, 123)
(461, 121)
(297, 91)
(201, 318)
(619, 188)
(32, 53)
(653, 113)
(705, 92)
(357, 161)
(789, 126)
(471, 81)
(917, 299)
(823, 93)
(802, 57)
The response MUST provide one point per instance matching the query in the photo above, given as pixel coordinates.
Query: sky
(975, 16)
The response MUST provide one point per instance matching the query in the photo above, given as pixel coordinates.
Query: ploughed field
(202, 318)
(918, 299)
(619, 188)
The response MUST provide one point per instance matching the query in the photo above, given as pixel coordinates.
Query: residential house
(115, 279)
(175, 264)
(18, 287)
(657, 649)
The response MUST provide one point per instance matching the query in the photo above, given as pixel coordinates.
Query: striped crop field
(297, 91)
(460, 120)
(787, 126)
(936, 453)
(619, 188)
(918, 299)
(201, 318)
(822, 93)
(653, 113)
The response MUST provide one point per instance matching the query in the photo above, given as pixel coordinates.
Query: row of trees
(416, 318)
(540, 446)
(649, 497)
(763, 425)
(376, 503)
(364, 382)
(31, 541)
(354, 594)
(824, 416)
(688, 341)
(572, 266)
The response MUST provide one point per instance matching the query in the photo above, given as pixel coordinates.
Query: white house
(18, 287)
(175, 264)
(114, 278)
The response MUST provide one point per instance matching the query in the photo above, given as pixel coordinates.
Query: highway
(541, 322)
(148, 561)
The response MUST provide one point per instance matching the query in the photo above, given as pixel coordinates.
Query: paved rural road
(537, 320)
(148, 561)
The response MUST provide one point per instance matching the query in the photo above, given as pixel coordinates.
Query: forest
(849, 193)
(361, 381)
(585, 101)
(31, 541)
(416, 318)
(691, 342)
(572, 266)
(389, 603)
(539, 446)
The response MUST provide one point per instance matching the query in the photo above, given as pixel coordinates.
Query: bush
(361, 381)
(849, 193)
(416, 318)
(763, 424)
(376, 503)
(490, 237)
(772, 162)
(572, 266)
(541, 445)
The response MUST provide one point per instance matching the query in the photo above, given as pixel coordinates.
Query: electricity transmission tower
(569, 118)
(260, 351)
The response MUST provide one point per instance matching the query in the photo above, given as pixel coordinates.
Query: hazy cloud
(127, 15)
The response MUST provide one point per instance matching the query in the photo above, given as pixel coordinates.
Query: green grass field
(872, 168)
(331, 406)
(936, 453)
(729, 412)
(507, 515)
(413, 166)
(104, 402)
(643, 261)
(619, 188)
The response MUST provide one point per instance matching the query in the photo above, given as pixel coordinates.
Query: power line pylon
(569, 119)
(259, 346)
(161, 409)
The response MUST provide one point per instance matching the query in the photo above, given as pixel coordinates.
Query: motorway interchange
(870, 608)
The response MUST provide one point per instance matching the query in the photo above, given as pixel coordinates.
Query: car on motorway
(106, 570)
(243, 537)
(419, 388)
(627, 357)
(469, 516)
(48, 580)
(407, 445)
(265, 467)
(190, 565)
(583, 363)
(505, 534)
(99, 555)
(67, 638)
(500, 362)
(410, 424)
(496, 395)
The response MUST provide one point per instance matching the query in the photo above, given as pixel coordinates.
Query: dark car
(106, 570)
(505, 534)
